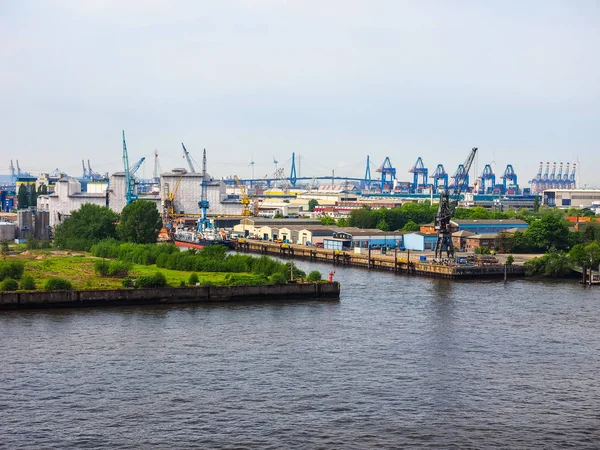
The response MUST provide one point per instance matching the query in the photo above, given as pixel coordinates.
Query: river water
(399, 362)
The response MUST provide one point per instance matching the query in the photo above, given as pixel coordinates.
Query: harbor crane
(130, 194)
(137, 166)
(445, 210)
(245, 200)
(203, 223)
(188, 158)
(85, 172)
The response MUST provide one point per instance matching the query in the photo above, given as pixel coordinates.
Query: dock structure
(397, 262)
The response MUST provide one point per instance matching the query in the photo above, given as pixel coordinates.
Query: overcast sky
(332, 80)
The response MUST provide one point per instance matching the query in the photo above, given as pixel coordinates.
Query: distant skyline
(332, 81)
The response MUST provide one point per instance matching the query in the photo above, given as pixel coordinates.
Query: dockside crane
(130, 194)
(85, 172)
(203, 223)
(445, 210)
(440, 174)
(188, 158)
(245, 200)
(509, 175)
(137, 166)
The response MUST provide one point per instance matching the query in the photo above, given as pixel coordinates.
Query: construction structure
(546, 179)
(446, 209)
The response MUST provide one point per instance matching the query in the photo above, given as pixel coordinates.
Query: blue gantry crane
(367, 181)
(488, 179)
(388, 174)
(509, 176)
(420, 173)
(439, 175)
(461, 179)
(130, 194)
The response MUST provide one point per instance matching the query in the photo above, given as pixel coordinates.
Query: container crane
(188, 158)
(130, 194)
(203, 223)
(388, 174)
(85, 172)
(245, 200)
(420, 171)
(440, 174)
(509, 175)
(445, 210)
(487, 175)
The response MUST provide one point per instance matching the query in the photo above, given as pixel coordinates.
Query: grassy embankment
(79, 269)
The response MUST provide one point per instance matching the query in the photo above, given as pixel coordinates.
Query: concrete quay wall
(199, 294)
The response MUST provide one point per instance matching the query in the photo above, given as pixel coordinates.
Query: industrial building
(571, 198)
(362, 239)
(259, 226)
(481, 226)
(420, 241)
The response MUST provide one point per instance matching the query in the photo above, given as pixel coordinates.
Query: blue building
(350, 237)
(487, 226)
(420, 241)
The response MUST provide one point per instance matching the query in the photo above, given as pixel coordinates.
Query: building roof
(462, 233)
(489, 222)
(420, 233)
(484, 236)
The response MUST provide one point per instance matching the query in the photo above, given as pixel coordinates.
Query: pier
(397, 262)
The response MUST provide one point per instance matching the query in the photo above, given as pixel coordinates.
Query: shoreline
(21, 300)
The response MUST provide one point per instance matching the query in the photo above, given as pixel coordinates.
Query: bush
(151, 281)
(510, 260)
(127, 282)
(278, 278)
(193, 279)
(9, 284)
(101, 268)
(58, 284)
(28, 283)
(314, 275)
(11, 270)
(182, 283)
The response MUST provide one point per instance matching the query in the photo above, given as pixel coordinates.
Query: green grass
(79, 269)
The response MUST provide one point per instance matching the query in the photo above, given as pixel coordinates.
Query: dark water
(398, 363)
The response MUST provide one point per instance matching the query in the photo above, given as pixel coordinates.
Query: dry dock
(400, 263)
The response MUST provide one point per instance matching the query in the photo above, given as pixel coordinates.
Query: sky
(331, 80)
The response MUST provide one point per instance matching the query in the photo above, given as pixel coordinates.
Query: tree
(140, 222)
(383, 225)
(549, 231)
(33, 197)
(4, 250)
(327, 220)
(86, 226)
(22, 197)
(536, 204)
(43, 189)
(411, 226)
(342, 222)
(314, 275)
(311, 204)
(510, 259)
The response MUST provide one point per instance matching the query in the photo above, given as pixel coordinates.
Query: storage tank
(42, 220)
(7, 231)
(25, 223)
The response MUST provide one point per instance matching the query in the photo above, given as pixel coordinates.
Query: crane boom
(245, 200)
(137, 166)
(188, 158)
(446, 209)
(130, 195)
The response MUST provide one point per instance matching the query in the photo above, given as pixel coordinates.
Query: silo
(7, 231)
(25, 223)
(42, 220)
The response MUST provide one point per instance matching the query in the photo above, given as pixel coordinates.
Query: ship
(199, 240)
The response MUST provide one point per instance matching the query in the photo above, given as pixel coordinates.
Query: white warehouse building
(68, 196)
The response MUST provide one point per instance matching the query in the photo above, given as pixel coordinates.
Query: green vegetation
(156, 280)
(314, 275)
(57, 284)
(86, 226)
(28, 283)
(116, 269)
(510, 259)
(555, 264)
(193, 279)
(311, 204)
(12, 269)
(22, 197)
(140, 223)
(9, 284)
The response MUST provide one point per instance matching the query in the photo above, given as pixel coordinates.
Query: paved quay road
(399, 362)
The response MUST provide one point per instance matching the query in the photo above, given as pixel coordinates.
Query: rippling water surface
(398, 362)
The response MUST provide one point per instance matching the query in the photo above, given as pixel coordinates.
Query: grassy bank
(79, 269)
